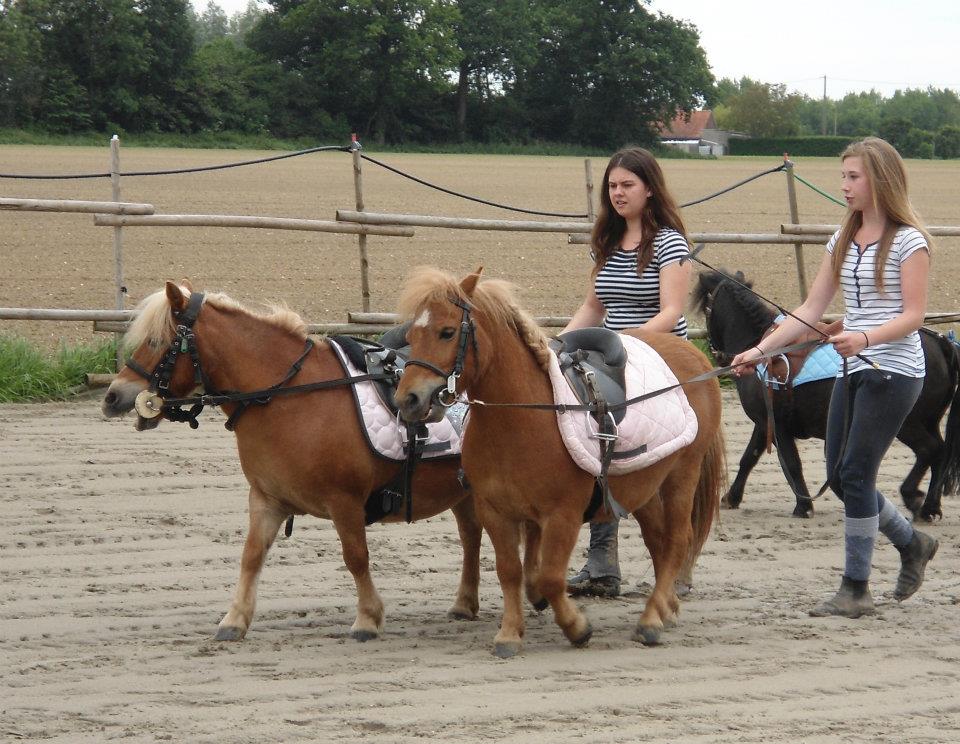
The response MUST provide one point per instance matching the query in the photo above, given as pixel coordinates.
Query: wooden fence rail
(460, 223)
(825, 231)
(73, 205)
(225, 220)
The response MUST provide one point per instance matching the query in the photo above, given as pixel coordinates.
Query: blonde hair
(887, 177)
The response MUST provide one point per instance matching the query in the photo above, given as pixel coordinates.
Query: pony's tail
(706, 500)
(950, 460)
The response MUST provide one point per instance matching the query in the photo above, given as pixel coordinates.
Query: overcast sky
(856, 44)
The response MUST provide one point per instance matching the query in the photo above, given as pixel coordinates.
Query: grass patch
(29, 375)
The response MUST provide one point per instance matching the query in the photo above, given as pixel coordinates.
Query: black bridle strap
(220, 399)
(467, 335)
(291, 373)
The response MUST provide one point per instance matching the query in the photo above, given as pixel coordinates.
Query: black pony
(736, 320)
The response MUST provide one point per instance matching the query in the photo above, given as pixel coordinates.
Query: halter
(447, 396)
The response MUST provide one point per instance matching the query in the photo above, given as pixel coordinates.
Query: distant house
(697, 135)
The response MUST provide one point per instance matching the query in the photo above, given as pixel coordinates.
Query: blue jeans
(877, 408)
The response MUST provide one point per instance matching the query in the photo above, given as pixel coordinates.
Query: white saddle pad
(386, 435)
(650, 430)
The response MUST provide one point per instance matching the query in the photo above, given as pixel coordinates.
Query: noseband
(447, 396)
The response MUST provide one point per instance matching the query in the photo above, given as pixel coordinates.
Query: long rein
(446, 396)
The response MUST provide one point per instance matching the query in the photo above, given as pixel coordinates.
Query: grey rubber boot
(914, 557)
(852, 600)
(600, 576)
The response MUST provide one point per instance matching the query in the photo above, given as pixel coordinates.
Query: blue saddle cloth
(823, 363)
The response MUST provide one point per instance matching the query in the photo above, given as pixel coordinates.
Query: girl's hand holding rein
(849, 343)
(745, 363)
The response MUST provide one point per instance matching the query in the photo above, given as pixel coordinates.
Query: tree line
(598, 73)
(919, 123)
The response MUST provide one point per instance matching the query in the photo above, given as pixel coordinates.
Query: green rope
(822, 193)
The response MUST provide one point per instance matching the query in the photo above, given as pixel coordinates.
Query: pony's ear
(469, 282)
(178, 302)
(186, 283)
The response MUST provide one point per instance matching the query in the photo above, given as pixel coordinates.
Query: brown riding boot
(914, 557)
(852, 600)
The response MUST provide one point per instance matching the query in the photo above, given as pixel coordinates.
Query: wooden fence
(119, 215)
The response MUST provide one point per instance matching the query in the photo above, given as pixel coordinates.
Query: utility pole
(823, 117)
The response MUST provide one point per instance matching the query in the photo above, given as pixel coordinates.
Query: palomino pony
(519, 471)
(302, 454)
(736, 319)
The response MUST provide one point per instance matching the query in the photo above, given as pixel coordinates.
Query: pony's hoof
(803, 509)
(506, 650)
(584, 637)
(540, 605)
(362, 636)
(727, 503)
(229, 633)
(458, 613)
(682, 589)
(647, 635)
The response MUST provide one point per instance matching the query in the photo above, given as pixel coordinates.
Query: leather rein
(154, 401)
(468, 333)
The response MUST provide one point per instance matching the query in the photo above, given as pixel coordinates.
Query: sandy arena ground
(119, 551)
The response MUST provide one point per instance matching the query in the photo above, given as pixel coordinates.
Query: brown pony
(518, 469)
(302, 454)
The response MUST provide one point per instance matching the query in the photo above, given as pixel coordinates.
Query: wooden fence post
(361, 239)
(591, 214)
(121, 290)
(795, 219)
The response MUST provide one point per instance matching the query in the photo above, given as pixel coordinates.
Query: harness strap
(291, 373)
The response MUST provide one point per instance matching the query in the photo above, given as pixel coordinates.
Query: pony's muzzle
(419, 405)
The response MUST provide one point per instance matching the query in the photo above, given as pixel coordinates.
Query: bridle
(149, 402)
(155, 400)
(447, 396)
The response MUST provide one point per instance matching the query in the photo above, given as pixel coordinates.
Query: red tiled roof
(679, 128)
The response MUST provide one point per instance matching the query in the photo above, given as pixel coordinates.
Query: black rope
(735, 186)
(467, 196)
(182, 170)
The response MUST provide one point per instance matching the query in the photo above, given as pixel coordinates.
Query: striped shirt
(631, 300)
(866, 308)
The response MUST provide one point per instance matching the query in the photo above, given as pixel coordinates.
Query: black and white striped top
(866, 308)
(632, 300)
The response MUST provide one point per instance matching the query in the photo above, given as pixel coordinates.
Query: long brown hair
(888, 189)
(661, 209)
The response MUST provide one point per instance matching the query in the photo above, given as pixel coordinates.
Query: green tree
(926, 109)
(762, 110)
(947, 142)
(608, 72)
(21, 63)
(895, 131)
(165, 88)
(381, 63)
(493, 37)
(212, 24)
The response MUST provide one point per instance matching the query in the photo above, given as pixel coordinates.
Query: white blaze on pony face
(423, 320)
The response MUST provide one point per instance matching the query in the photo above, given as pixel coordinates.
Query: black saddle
(388, 356)
(593, 361)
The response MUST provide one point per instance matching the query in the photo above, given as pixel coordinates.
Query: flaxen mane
(492, 298)
(154, 323)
